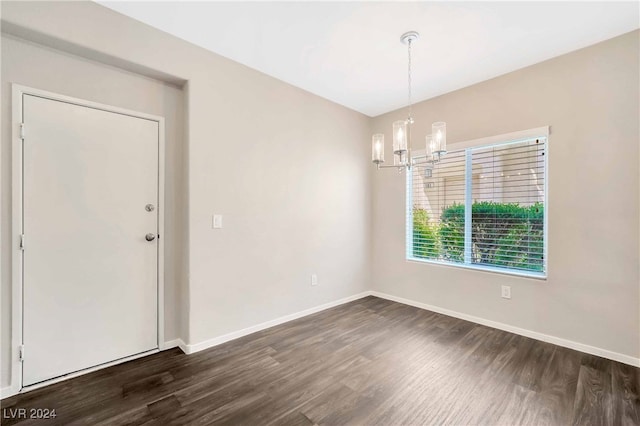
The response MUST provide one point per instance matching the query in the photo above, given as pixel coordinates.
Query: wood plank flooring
(371, 361)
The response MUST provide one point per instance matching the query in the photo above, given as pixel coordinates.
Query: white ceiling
(350, 53)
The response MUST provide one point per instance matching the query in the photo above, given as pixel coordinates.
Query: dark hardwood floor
(371, 361)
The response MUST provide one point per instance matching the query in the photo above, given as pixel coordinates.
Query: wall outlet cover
(217, 221)
(506, 292)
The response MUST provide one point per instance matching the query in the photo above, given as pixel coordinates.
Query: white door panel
(90, 277)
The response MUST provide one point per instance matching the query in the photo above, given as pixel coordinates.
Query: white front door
(90, 276)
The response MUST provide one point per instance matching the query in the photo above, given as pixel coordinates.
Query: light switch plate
(217, 221)
(314, 279)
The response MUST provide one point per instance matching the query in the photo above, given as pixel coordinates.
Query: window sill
(493, 270)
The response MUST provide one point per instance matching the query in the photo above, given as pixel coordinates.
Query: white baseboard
(175, 343)
(170, 344)
(7, 392)
(189, 349)
(604, 353)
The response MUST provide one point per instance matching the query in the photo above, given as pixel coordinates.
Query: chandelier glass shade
(377, 148)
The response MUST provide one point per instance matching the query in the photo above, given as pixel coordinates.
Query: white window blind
(481, 207)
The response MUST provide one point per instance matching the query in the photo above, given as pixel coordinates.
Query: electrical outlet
(314, 279)
(506, 292)
(217, 221)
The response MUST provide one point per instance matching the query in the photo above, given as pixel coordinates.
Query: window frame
(508, 138)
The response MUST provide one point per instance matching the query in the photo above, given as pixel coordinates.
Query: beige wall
(288, 170)
(43, 68)
(590, 99)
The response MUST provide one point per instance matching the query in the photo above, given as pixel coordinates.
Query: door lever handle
(150, 237)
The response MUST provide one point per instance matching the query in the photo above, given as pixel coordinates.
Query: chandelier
(435, 143)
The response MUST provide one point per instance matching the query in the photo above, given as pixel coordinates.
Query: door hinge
(21, 353)
(22, 131)
(22, 242)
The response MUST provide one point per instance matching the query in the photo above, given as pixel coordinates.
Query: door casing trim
(17, 92)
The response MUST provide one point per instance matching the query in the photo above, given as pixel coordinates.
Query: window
(482, 206)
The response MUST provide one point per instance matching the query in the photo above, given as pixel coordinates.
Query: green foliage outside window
(503, 234)
(425, 236)
(451, 233)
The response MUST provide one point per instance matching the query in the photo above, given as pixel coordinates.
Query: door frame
(17, 225)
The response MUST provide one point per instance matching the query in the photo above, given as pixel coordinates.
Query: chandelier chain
(409, 81)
